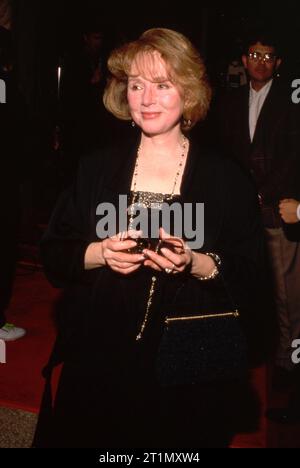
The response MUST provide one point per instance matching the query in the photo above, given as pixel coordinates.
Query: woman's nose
(149, 96)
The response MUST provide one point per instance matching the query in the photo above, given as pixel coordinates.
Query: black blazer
(103, 300)
(276, 139)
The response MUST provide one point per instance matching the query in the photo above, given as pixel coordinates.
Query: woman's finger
(123, 265)
(125, 257)
(172, 257)
(153, 265)
(120, 245)
(158, 262)
(126, 271)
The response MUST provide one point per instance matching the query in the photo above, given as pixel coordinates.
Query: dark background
(44, 30)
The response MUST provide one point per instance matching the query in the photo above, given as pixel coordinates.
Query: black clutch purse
(202, 348)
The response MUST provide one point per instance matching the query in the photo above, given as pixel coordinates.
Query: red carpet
(32, 307)
(21, 383)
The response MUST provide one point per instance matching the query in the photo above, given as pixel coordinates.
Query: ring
(169, 270)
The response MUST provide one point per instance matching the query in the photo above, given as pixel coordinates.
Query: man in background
(259, 128)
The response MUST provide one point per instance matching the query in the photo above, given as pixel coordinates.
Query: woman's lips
(150, 115)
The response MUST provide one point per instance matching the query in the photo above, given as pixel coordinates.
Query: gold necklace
(154, 277)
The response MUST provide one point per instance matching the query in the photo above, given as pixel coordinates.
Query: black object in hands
(141, 244)
(174, 244)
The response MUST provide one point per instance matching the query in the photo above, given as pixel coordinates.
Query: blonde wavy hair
(185, 69)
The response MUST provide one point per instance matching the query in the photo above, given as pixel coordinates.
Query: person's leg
(2, 318)
(278, 261)
(285, 262)
(8, 242)
(7, 272)
(292, 275)
(289, 414)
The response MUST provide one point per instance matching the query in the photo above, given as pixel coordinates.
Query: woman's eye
(135, 87)
(163, 86)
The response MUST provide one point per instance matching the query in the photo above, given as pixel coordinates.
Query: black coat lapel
(190, 168)
(244, 115)
(121, 167)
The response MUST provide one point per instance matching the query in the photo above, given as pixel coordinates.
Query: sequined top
(151, 200)
(148, 207)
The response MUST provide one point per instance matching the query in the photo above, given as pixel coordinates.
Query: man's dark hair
(265, 37)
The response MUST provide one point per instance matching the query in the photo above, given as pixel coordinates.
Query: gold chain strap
(149, 302)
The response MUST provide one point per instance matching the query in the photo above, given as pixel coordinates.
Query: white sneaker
(10, 333)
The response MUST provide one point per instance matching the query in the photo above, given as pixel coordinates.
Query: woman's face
(155, 103)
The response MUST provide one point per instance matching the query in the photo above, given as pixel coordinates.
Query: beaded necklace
(130, 225)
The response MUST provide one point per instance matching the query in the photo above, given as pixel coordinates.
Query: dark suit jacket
(272, 157)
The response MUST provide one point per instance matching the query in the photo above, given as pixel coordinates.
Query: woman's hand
(113, 252)
(178, 257)
(288, 210)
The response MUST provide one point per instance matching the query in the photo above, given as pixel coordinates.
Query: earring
(187, 123)
(133, 123)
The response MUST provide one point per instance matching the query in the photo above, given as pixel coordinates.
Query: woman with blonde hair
(121, 280)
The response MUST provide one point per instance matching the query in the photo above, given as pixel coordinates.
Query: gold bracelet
(215, 271)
